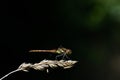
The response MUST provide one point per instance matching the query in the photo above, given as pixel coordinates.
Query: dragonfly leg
(67, 57)
(64, 56)
(59, 56)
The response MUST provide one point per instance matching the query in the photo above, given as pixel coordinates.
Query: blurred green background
(90, 28)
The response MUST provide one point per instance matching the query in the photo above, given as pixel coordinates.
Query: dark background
(90, 29)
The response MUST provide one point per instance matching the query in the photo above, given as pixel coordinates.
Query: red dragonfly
(61, 51)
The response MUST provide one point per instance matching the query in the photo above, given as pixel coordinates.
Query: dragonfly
(61, 51)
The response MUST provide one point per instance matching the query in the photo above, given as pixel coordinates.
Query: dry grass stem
(43, 65)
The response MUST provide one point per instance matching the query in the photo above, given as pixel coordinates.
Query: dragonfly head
(68, 51)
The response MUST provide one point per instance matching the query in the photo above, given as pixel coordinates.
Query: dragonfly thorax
(63, 51)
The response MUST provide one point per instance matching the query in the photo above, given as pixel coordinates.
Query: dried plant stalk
(43, 65)
(9, 74)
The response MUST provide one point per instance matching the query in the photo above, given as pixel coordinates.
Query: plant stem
(9, 74)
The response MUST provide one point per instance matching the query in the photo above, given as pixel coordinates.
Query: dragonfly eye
(68, 51)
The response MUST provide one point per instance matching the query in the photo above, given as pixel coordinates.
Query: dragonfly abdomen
(51, 51)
